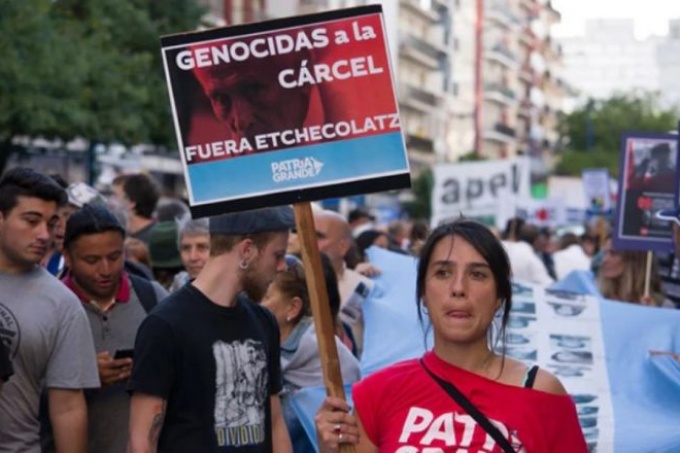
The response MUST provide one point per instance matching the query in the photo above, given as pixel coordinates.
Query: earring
(288, 318)
(243, 265)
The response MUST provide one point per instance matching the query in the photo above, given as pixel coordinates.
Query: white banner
(560, 332)
(476, 189)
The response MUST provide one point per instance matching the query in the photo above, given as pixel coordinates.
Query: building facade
(608, 59)
(478, 76)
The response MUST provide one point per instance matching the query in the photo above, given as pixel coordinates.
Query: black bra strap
(530, 378)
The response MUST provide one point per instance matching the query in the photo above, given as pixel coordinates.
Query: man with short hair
(138, 195)
(335, 239)
(41, 321)
(207, 369)
(116, 303)
(360, 220)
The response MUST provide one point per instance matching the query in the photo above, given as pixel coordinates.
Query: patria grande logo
(294, 169)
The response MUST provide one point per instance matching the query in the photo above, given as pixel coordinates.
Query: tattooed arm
(147, 414)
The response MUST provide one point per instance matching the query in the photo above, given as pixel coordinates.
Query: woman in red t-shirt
(463, 282)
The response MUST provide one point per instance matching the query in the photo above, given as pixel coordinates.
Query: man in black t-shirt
(5, 364)
(207, 373)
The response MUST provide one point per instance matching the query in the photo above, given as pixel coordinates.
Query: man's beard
(254, 285)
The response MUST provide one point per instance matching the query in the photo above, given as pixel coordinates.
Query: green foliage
(574, 162)
(89, 68)
(421, 206)
(593, 132)
(472, 156)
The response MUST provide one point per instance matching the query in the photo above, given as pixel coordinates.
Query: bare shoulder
(547, 382)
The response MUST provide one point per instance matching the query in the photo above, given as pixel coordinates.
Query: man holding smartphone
(116, 303)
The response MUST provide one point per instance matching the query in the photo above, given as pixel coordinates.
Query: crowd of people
(126, 325)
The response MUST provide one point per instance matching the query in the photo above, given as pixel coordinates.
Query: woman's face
(460, 292)
(613, 264)
(278, 303)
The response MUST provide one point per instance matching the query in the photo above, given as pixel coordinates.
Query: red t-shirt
(403, 410)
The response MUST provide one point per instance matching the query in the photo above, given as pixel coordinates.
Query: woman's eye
(442, 273)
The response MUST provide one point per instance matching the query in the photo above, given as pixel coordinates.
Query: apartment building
(493, 89)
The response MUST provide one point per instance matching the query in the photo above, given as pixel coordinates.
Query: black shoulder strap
(144, 291)
(470, 408)
(531, 377)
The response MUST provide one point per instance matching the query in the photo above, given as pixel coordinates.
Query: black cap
(280, 218)
(93, 218)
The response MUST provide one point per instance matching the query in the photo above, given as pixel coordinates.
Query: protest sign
(476, 189)
(596, 187)
(647, 184)
(285, 111)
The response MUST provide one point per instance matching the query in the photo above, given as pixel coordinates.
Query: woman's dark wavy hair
(487, 245)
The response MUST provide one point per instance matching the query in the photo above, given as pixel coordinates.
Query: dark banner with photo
(287, 110)
(647, 184)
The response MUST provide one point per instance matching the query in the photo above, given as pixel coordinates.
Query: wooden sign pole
(648, 273)
(602, 230)
(318, 297)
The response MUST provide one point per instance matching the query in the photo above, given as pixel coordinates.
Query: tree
(88, 68)
(421, 206)
(593, 132)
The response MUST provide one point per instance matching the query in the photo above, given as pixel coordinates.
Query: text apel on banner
(284, 111)
(476, 189)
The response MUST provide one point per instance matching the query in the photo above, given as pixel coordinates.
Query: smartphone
(123, 354)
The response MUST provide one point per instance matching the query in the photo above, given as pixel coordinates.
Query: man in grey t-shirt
(41, 321)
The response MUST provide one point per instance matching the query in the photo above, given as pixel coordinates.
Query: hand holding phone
(113, 370)
(123, 354)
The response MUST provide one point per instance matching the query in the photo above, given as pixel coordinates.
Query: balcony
(501, 133)
(416, 98)
(414, 7)
(529, 4)
(526, 74)
(419, 142)
(525, 108)
(552, 50)
(503, 56)
(423, 45)
(494, 92)
(408, 52)
(527, 36)
(497, 12)
(553, 14)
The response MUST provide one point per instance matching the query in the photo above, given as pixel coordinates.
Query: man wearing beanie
(116, 303)
(207, 373)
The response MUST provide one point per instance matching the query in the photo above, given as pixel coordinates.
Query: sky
(651, 16)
